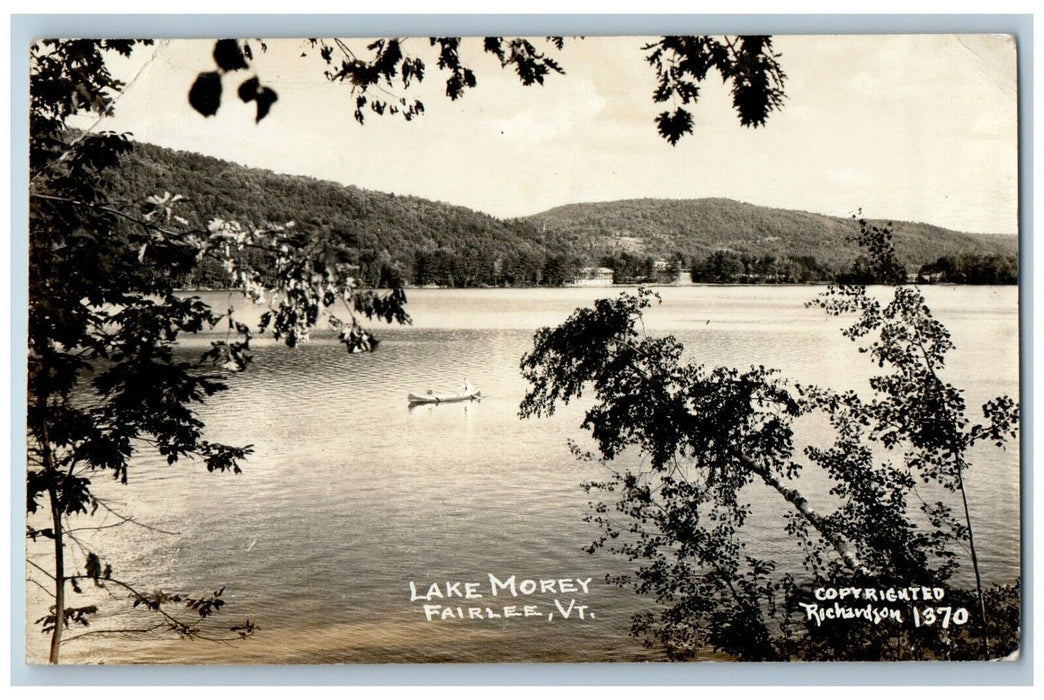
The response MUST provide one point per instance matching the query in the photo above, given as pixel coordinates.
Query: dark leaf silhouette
(248, 89)
(673, 126)
(265, 98)
(205, 95)
(93, 567)
(228, 56)
(748, 64)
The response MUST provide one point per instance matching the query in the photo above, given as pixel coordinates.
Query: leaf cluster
(387, 67)
(230, 55)
(747, 63)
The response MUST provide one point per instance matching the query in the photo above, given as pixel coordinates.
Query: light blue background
(25, 28)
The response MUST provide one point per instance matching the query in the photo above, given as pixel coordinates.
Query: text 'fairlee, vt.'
(504, 598)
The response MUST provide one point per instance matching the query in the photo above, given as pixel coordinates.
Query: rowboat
(443, 398)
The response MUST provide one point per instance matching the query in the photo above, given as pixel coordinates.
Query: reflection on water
(350, 494)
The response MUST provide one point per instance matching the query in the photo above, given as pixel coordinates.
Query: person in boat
(467, 388)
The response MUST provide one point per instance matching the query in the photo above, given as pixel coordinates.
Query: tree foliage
(724, 266)
(748, 64)
(971, 268)
(386, 66)
(707, 436)
(880, 265)
(230, 56)
(381, 74)
(104, 382)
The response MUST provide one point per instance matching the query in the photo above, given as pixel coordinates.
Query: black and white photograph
(523, 349)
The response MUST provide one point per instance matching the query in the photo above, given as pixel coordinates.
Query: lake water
(351, 495)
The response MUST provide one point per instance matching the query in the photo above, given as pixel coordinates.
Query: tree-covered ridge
(398, 238)
(389, 231)
(698, 227)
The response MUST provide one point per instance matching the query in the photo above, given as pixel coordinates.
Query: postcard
(523, 349)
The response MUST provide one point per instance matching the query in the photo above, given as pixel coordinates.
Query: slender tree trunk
(975, 563)
(803, 507)
(956, 455)
(59, 576)
(59, 544)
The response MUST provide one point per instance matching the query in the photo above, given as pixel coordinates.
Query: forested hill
(418, 241)
(696, 227)
(389, 228)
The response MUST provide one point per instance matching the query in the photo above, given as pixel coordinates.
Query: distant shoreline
(636, 285)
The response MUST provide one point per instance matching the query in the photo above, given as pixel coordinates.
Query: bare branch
(119, 631)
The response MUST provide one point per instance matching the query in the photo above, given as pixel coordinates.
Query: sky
(902, 127)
